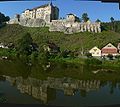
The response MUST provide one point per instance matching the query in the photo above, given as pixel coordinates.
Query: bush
(43, 56)
(72, 55)
(93, 61)
(117, 56)
(34, 56)
(65, 53)
(89, 55)
(110, 56)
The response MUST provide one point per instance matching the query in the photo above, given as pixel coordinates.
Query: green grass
(12, 33)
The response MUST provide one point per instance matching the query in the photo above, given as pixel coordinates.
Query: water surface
(58, 84)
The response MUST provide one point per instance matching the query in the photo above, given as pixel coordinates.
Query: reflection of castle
(48, 15)
(44, 90)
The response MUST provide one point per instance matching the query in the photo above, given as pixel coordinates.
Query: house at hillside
(95, 51)
(118, 47)
(109, 49)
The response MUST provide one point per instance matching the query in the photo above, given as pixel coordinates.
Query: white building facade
(46, 12)
(95, 51)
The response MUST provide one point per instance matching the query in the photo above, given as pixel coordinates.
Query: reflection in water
(44, 90)
(58, 84)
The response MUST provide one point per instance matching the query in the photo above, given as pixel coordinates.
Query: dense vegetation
(3, 18)
(114, 25)
(30, 42)
(79, 41)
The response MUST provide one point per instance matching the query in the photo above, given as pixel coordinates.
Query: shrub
(110, 56)
(26, 45)
(89, 55)
(117, 56)
(65, 53)
(93, 61)
(34, 56)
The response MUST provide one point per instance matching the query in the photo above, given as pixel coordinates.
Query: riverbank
(91, 62)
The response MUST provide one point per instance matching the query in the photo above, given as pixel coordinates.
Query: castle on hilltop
(47, 12)
(48, 15)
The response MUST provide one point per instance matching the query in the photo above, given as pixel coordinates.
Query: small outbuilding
(95, 51)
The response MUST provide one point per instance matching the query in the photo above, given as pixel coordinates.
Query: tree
(26, 45)
(98, 20)
(112, 23)
(78, 19)
(7, 18)
(112, 19)
(85, 17)
(3, 18)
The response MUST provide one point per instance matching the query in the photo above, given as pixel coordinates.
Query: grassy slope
(12, 33)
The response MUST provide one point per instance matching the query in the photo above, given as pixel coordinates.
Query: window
(95, 49)
(109, 45)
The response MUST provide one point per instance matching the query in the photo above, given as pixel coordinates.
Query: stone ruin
(63, 25)
(74, 27)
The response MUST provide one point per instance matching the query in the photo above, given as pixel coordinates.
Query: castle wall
(73, 27)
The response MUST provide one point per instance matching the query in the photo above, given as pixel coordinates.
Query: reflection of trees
(51, 93)
(20, 73)
(83, 93)
(103, 83)
(113, 85)
(3, 99)
(14, 68)
(43, 70)
(2, 78)
(119, 85)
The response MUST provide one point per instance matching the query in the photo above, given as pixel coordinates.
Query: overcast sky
(95, 10)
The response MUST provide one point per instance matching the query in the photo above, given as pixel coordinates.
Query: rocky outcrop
(32, 22)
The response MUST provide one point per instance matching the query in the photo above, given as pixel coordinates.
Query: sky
(94, 9)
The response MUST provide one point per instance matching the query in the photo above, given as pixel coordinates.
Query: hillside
(12, 33)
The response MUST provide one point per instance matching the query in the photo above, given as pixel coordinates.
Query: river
(57, 84)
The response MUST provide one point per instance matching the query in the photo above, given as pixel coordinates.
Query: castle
(48, 15)
(47, 12)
